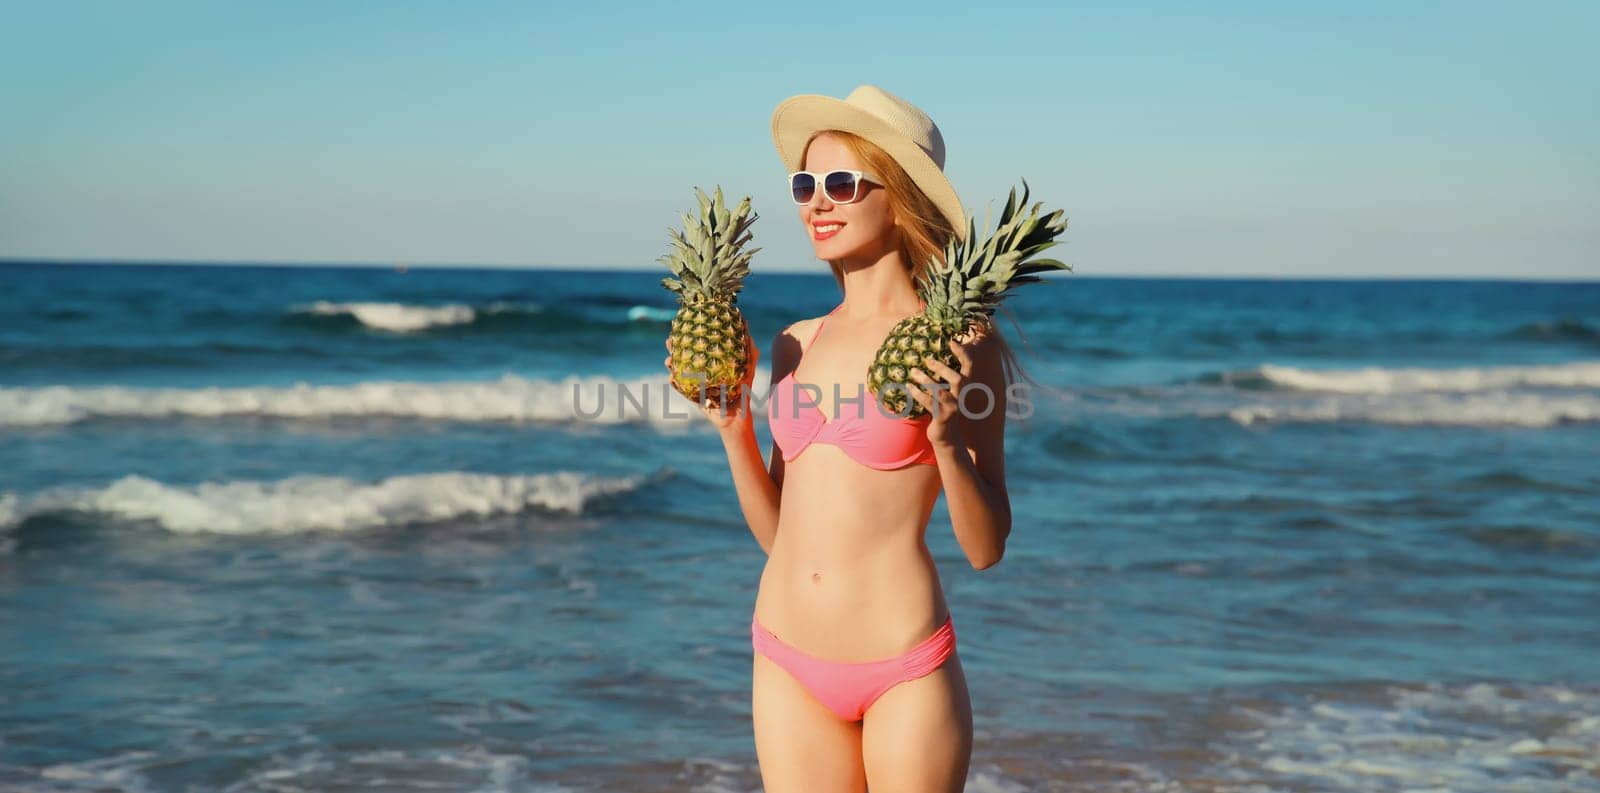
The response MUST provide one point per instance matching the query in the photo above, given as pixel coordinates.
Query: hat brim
(797, 118)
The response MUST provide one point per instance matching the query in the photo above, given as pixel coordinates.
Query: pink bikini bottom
(849, 688)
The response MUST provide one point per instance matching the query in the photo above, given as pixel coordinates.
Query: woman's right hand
(737, 409)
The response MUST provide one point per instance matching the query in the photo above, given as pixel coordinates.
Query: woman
(856, 680)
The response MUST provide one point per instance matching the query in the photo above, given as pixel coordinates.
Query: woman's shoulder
(801, 330)
(788, 344)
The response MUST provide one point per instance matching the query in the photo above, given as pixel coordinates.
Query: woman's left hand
(942, 401)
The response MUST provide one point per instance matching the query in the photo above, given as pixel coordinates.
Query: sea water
(312, 528)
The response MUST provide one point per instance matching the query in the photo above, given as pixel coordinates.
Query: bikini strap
(820, 323)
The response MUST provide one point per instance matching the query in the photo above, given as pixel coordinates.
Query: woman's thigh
(918, 735)
(800, 744)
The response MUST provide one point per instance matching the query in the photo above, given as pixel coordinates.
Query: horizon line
(441, 266)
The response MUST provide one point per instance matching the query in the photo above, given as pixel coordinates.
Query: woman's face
(866, 225)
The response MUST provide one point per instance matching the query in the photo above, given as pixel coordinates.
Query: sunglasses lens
(803, 186)
(840, 186)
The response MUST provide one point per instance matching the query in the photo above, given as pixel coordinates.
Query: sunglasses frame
(820, 182)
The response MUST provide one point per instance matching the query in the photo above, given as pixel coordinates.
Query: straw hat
(892, 123)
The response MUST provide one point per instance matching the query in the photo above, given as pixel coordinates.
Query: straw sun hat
(891, 123)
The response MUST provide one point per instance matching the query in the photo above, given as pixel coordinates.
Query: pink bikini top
(871, 436)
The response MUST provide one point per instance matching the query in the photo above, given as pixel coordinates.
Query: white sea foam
(10, 509)
(1514, 396)
(1381, 380)
(473, 769)
(395, 317)
(991, 780)
(319, 503)
(1462, 738)
(114, 772)
(1490, 409)
(599, 399)
(650, 314)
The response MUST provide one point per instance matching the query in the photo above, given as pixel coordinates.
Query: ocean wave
(321, 503)
(393, 317)
(656, 314)
(581, 314)
(1530, 538)
(598, 399)
(1561, 330)
(1475, 736)
(1383, 380)
(1475, 410)
(52, 357)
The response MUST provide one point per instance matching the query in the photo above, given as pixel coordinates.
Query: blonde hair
(924, 232)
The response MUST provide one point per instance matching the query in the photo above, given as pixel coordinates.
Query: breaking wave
(601, 399)
(320, 503)
(1383, 380)
(1479, 410)
(394, 317)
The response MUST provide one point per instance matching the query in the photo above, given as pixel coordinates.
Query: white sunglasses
(841, 187)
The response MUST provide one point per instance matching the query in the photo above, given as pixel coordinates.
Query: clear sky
(1203, 138)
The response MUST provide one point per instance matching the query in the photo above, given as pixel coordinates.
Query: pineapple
(961, 293)
(710, 357)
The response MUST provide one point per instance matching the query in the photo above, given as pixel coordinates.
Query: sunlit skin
(849, 576)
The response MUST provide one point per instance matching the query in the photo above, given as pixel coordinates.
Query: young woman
(856, 679)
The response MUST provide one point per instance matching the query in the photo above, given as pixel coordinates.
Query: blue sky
(1217, 138)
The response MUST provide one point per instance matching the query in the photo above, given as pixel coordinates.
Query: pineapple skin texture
(709, 350)
(960, 291)
(912, 342)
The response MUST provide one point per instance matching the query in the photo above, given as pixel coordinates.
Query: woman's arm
(971, 451)
(760, 486)
(758, 490)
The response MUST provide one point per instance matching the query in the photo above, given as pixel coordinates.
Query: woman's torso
(849, 576)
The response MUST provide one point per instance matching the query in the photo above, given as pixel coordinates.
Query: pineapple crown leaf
(975, 275)
(709, 255)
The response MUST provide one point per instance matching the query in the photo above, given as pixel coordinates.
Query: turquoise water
(320, 528)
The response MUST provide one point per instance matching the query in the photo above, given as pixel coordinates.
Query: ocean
(325, 529)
